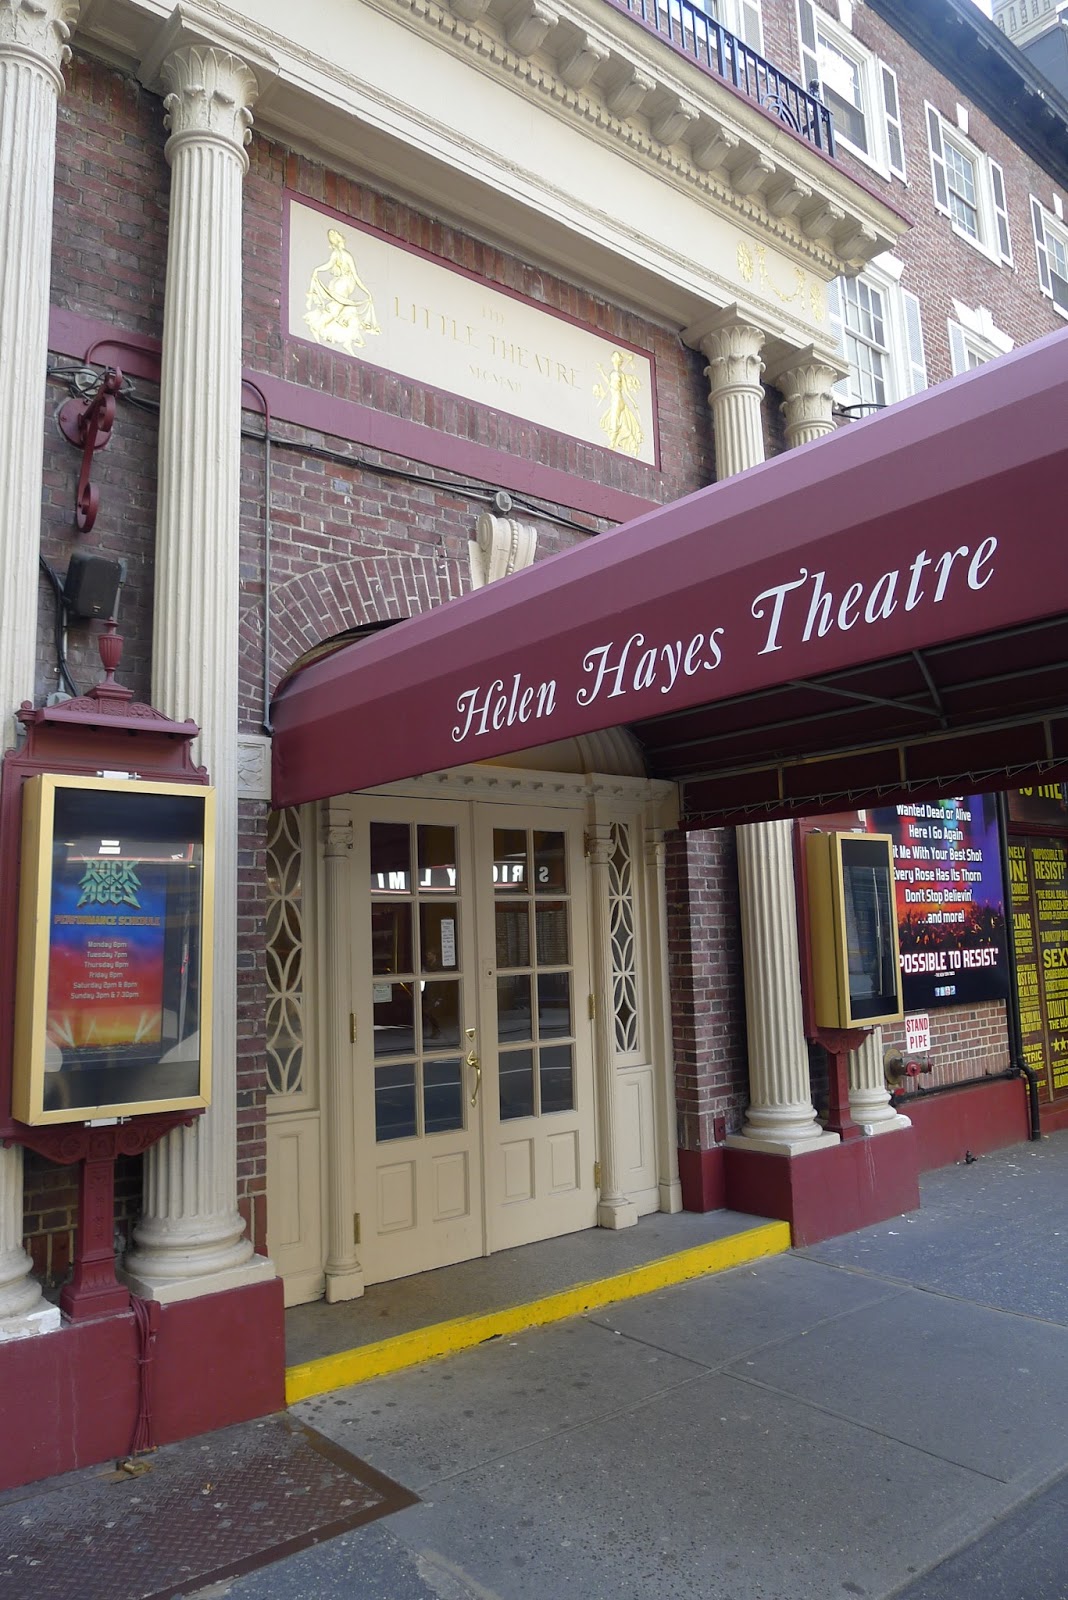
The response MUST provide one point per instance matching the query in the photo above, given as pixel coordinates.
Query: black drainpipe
(1012, 1004)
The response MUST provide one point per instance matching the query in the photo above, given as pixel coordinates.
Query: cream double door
(472, 1042)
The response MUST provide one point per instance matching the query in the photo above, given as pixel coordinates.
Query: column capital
(38, 30)
(732, 341)
(209, 93)
(806, 379)
(599, 844)
(209, 78)
(335, 830)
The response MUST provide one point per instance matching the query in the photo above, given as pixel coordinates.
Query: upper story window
(969, 188)
(974, 337)
(1051, 248)
(740, 17)
(880, 335)
(859, 90)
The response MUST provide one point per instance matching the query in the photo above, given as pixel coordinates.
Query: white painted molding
(501, 545)
(253, 766)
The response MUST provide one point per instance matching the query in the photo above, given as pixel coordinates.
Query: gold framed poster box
(856, 967)
(114, 973)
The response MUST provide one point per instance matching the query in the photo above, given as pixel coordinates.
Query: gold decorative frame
(832, 1001)
(35, 943)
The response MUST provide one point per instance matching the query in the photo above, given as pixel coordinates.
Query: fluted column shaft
(869, 1098)
(655, 923)
(33, 47)
(781, 1115)
(190, 1239)
(344, 1275)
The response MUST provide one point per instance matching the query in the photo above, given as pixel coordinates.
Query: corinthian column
(781, 1116)
(344, 1274)
(190, 1239)
(869, 1098)
(806, 379)
(732, 346)
(33, 48)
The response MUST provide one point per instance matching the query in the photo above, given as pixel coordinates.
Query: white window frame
(974, 338)
(1047, 226)
(994, 239)
(743, 18)
(906, 366)
(880, 103)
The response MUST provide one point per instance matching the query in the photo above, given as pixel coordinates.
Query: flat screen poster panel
(1039, 869)
(114, 949)
(950, 900)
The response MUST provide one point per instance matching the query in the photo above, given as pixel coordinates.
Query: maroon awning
(880, 613)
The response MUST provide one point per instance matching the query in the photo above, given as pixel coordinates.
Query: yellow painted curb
(445, 1338)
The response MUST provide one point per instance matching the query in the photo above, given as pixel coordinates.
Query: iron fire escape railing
(690, 29)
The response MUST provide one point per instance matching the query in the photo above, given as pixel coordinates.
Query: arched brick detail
(326, 601)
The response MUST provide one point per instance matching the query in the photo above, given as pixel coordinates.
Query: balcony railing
(691, 30)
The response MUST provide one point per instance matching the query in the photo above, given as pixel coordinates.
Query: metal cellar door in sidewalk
(471, 1038)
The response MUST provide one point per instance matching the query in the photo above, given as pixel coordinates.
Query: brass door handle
(475, 1064)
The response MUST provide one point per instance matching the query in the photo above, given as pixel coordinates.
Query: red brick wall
(707, 994)
(967, 1042)
(940, 267)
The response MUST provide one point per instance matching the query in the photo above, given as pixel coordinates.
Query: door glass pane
(550, 919)
(513, 936)
(395, 1102)
(438, 872)
(443, 1100)
(391, 937)
(437, 946)
(440, 1005)
(554, 1004)
(550, 864)
(517, 1084)
(510, 860)
(557, 1079)
(394, 1023)
(391, 853)
(514, 1017)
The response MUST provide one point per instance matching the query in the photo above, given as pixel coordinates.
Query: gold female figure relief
(620, 420)
(340, 308)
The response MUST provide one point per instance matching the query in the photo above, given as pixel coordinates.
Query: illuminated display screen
(114, 1018)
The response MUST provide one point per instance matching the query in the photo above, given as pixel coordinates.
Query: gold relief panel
(780, 281)
(356, 292)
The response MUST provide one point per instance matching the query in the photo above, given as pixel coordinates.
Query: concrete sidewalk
(883, 1415)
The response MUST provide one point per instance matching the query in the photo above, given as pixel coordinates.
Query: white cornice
(593, 69)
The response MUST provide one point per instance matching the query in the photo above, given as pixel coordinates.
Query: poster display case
(113, 991)
(856, 970)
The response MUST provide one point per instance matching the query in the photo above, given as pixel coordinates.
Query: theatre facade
(449, 397)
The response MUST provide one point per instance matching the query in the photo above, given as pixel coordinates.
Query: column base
(783, 1144)
(617, 1214)
(347, 1285)
(888, 1124)
(671, 1196)
(171, 1291)
(45, 1319)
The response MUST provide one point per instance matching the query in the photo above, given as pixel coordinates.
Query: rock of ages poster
(950, 899)
(106, 968)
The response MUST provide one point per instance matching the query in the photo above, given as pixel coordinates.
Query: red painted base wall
(702, 1181)
(831, 1191)
(70, 1399)
(979, 1117)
